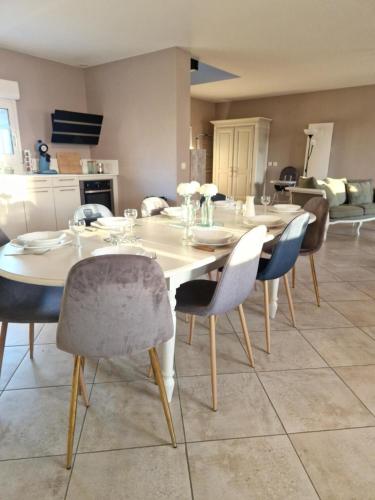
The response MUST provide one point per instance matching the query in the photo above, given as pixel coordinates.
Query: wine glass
(265, 200)
(130, 215)
(77, 226)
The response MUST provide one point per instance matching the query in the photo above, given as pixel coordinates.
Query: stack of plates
(267, 220)
(42, 240)
(213, 237)
(286, 208)
(172, 212)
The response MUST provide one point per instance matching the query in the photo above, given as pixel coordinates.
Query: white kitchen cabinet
(240, 155)
(67, 199)
(40, 209)
(12, 211)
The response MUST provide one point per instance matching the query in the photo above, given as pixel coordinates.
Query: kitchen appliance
(44, 158)
(97, 192)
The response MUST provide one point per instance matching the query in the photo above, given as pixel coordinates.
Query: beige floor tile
(50, 367)
(342, 346)
(336, 291)
(34, 422)
(310, 400)
(341, 463)
(355, 274)
(18, 333)
(158, 472)
(195, 359)
(255, 319)
(308, 315)
(369, 330)
(47, 334)
(223, 325)
(127, 414)
(243, 408)
(34, 479)
(303, 292)
(123, 369)
(12, 358)
(289, 350)
(361, 379)
(303, 273)
(367, 287)
(360, 313)
(257, 468)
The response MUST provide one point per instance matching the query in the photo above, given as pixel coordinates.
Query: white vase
(249, 207)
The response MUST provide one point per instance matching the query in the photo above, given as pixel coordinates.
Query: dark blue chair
(25, 303)
(283, 257)
(215, 197)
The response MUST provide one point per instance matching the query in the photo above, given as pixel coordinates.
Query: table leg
(274, 291)
(167, 351)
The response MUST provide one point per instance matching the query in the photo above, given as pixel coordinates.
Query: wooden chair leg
(31, 340)
(213, 362)
(218, 273)
(294, 277)
(290, 300)
(191, 328)
(210, 275)
(3, 336)
(246, 335)
(163, 395)
(82, 384)
(73, 411)
(315, 279)
(267, 316)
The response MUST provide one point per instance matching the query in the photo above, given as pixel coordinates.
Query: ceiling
(275, 46)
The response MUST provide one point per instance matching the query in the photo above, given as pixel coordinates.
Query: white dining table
(159, 234)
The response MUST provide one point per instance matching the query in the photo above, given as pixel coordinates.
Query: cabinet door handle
(40, 191)
(72, 189)
(66, 180)
(39, 180)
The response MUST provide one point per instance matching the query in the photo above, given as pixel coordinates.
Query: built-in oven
(99, 192)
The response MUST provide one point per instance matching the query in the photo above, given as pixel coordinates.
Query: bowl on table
(212, 236)
(41, 239)
(286, 208)
(267, 220)
(172, 212)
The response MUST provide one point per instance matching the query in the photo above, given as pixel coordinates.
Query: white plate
(41, 238)
(115, 227)
(211, 236)
(267, 220)
(120, 250)
(286, 207)
(61, 243)
(223, 244)
(172, 212)
(112, 221)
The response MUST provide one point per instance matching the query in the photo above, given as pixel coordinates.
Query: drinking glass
(265, 200)
(130, 215)
(77, 226)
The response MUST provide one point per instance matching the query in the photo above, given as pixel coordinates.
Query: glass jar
(207, 212)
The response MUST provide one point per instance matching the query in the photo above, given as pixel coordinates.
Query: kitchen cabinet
(240, 156)
(67, 199)
(40, 209)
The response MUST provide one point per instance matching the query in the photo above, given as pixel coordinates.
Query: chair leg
(3, 336)
(294, 277)
(191, 328)
(218, 273)
(290, 300)
(73, 410)
(315, 279)
(82, 384)
(163, 395)
(213, 362)
(267, 316)
(31, 340)
(246, 336)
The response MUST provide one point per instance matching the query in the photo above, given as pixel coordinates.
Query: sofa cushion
(307, 182)
(369, 208)
(360, 192)
(335, 190)
(345, 212)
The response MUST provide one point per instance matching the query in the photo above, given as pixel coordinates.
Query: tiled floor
(299, 426)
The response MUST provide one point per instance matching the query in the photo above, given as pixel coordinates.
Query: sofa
(350, 201)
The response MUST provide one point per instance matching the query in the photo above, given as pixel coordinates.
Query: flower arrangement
(188, 188)
(208, 190)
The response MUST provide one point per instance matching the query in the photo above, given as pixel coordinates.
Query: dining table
(160, 235)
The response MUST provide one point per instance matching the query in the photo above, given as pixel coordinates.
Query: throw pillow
(360, 192)
(335, 191)
(307, 182)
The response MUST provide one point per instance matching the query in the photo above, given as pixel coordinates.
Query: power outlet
(183, 166)
(275, 164)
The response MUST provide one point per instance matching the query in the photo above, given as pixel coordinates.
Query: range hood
(69, 127)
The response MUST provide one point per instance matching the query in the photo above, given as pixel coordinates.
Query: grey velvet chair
(211, 298)
(314, 237)
(114, 305)
(25, 303)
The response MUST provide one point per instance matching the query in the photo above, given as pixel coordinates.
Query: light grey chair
(153, 205)
(91, 212)
(114, 305)
(212, 298)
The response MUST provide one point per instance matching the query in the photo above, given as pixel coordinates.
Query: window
(10, 143)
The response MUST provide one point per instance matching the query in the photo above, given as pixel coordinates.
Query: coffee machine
(44, 158)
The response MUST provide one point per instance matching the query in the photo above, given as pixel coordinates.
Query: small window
(10, 143)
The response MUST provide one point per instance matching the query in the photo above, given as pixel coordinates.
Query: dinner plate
(209, 236)
(112, 221)
(121, 250)
(115, 227)
(172, 212)
(41, 238)
(285, 207)
(61, 243)
(267, 220)
(222, 244)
